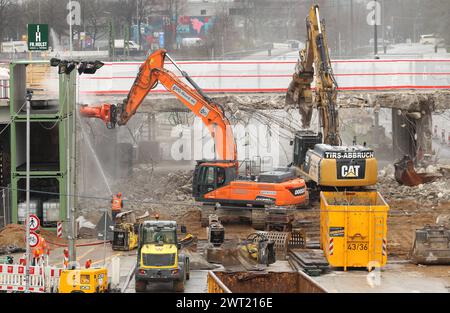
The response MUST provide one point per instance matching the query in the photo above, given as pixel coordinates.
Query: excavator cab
(304, 140)
(210, 175)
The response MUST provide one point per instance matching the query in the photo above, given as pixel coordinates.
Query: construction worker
(117, 205)
(66, 258)
(39, 251)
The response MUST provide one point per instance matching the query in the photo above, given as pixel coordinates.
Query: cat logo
(350, 171)
(355, 169)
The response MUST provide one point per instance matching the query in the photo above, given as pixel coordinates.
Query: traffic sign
(34, 222)
(34, 239)
(37, 37)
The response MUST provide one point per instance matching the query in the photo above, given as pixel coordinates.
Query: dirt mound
(14, 235)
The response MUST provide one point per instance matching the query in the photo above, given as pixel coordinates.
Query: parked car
(119, 44)
(297, 44)
(14, 46)
(431, 39)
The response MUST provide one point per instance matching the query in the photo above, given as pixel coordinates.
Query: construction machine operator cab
(210, 175)
(158, 232)
(304, 140)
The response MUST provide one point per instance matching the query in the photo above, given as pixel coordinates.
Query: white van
(119, 44)
(431, 39)
(192, 42)
(14, 46)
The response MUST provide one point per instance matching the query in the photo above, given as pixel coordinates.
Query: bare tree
(4, 19)
(174, 9)
(94, 13)
(222, 36)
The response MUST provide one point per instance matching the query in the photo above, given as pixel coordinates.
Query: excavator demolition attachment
(432, 245)
(405, 174)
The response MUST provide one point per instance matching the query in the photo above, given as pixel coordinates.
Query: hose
(80, 244)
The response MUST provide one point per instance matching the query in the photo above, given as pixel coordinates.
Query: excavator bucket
(405, 174)
(432, 245)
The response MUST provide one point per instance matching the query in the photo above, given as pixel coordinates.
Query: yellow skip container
(353, 229)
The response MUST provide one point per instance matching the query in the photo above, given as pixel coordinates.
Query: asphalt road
(196, 284)
(100, 256)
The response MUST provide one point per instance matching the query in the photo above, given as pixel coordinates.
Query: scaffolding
(52, 129)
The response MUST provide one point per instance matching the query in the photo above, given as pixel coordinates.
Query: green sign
(37, 37)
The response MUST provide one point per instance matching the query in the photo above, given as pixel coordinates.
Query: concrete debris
(430, 193)
(431, 169)
(411, 100)
(443, 219)
(387, 171)
(84, 223)
(11, 249)
(147, 188)
(87, 233)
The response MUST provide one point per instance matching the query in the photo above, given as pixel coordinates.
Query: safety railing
(41, 279)
(215, 285)
(249, 76)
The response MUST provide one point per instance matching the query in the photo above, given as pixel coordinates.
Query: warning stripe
(331, 247)
(59, 230)
(20, 270)
(384, 247)
(21, 288)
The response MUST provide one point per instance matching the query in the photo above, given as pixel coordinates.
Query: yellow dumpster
(353, 229)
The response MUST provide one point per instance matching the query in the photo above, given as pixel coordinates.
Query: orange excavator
(216, 183)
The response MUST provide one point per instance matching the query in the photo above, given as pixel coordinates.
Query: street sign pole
(27, 214)
(70, 28)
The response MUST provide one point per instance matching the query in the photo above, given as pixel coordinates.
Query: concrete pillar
(376, 129)
(403, 135)
(412, 133)
(424, 133)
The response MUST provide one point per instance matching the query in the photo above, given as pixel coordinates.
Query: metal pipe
(70, 27)
(71, 217)
(4, 207)
(104, 240)
(318, 20)
(189, 79)
(27, 214)
(220, 285)
(73, 167)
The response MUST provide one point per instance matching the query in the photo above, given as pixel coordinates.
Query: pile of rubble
(156, 190)
(428, 194)
(147, 184)
(12, 238)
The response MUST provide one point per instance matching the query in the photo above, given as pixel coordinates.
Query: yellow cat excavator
(327, 164)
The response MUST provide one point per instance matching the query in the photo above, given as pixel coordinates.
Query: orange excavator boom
(152, 72)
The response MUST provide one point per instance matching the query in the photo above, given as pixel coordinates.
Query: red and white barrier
(42, 279)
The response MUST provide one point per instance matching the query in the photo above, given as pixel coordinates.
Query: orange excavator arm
(150, 73)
